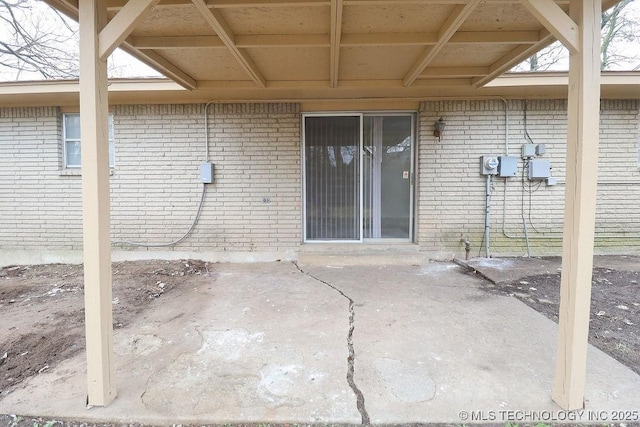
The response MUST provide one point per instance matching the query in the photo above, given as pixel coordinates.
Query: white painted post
(580, 206)
(96, 205)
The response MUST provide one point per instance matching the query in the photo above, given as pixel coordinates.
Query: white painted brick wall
(452, 192)
(155, 185)
(37, 208)
(256, 152)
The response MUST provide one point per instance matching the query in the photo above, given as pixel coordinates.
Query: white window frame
(65, 140)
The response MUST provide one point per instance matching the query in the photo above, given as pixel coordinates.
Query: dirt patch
(43, 309)
(615, 308)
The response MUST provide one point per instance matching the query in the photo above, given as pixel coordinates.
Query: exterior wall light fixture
(439, 128)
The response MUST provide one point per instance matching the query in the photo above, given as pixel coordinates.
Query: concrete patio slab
(271, 343)
(500, 270)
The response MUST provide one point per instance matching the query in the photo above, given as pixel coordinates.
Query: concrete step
(336, 254)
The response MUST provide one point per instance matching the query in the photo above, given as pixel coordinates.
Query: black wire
(530, 203)
(481, 246)
(530, 190)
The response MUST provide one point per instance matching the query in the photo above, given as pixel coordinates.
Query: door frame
(412, 174)
(413, 147)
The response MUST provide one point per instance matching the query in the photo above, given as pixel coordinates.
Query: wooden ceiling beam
(501, 37)
(451, 25)
(118, 4)
(241, 41)
(521, 53)
(157, 62)
(556, 21)
(121, 25)
(336, 34)
(176, 42)
(453, 72)
(389, 39)
(283, 40)
(220, 4)
(219, 25)
(513, 58)
(152, 59)
(244, 41)
(320, 40)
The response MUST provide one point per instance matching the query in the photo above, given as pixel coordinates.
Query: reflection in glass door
(387, 144)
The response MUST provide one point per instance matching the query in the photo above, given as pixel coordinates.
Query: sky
(122, 65)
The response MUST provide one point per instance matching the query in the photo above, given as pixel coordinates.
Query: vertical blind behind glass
(332, 175)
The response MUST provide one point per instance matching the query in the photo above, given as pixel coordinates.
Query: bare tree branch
(617, 27)
(36, 40)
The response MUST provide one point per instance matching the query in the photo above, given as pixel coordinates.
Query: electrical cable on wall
(175, 242)
(530, 190)
(198, 211)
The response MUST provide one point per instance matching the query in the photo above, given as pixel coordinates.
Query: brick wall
(38, 207)
(254, 204)
(452, 192)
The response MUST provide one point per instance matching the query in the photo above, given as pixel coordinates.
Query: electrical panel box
(206, 173)
(507, 166)
(528, 151)
(539, 169)
(551, 181)
(489, 165)
(541, 149)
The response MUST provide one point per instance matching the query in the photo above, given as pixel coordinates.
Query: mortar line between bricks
(351, 358)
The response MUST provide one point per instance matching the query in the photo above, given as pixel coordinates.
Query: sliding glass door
(332, 176)
(357, 172)
(387, 177)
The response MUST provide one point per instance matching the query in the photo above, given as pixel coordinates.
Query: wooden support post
(580, 207)
(94, 112)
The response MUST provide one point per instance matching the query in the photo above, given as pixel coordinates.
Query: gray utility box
(508, 166)
(539, 169)
(206, 173)
(528, 151)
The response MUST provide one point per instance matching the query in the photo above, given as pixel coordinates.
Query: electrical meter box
(507, 166)
(539, 169)
(489, 165)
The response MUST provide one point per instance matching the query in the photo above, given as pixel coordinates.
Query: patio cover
(339, 49)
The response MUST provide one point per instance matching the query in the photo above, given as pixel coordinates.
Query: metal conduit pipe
(504, 197)
(487, 217)
(200, 204)
(206, 130)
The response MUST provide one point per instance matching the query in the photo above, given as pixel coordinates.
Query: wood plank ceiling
(285, 47)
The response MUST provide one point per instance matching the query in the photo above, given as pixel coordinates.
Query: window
(71, 137)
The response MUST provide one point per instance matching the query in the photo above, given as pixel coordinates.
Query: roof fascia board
(510, 80)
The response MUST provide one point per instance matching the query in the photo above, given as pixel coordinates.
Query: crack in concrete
(351, 358)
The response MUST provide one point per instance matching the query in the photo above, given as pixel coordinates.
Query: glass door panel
(395, 177)
(387, 145)
(332, 177)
